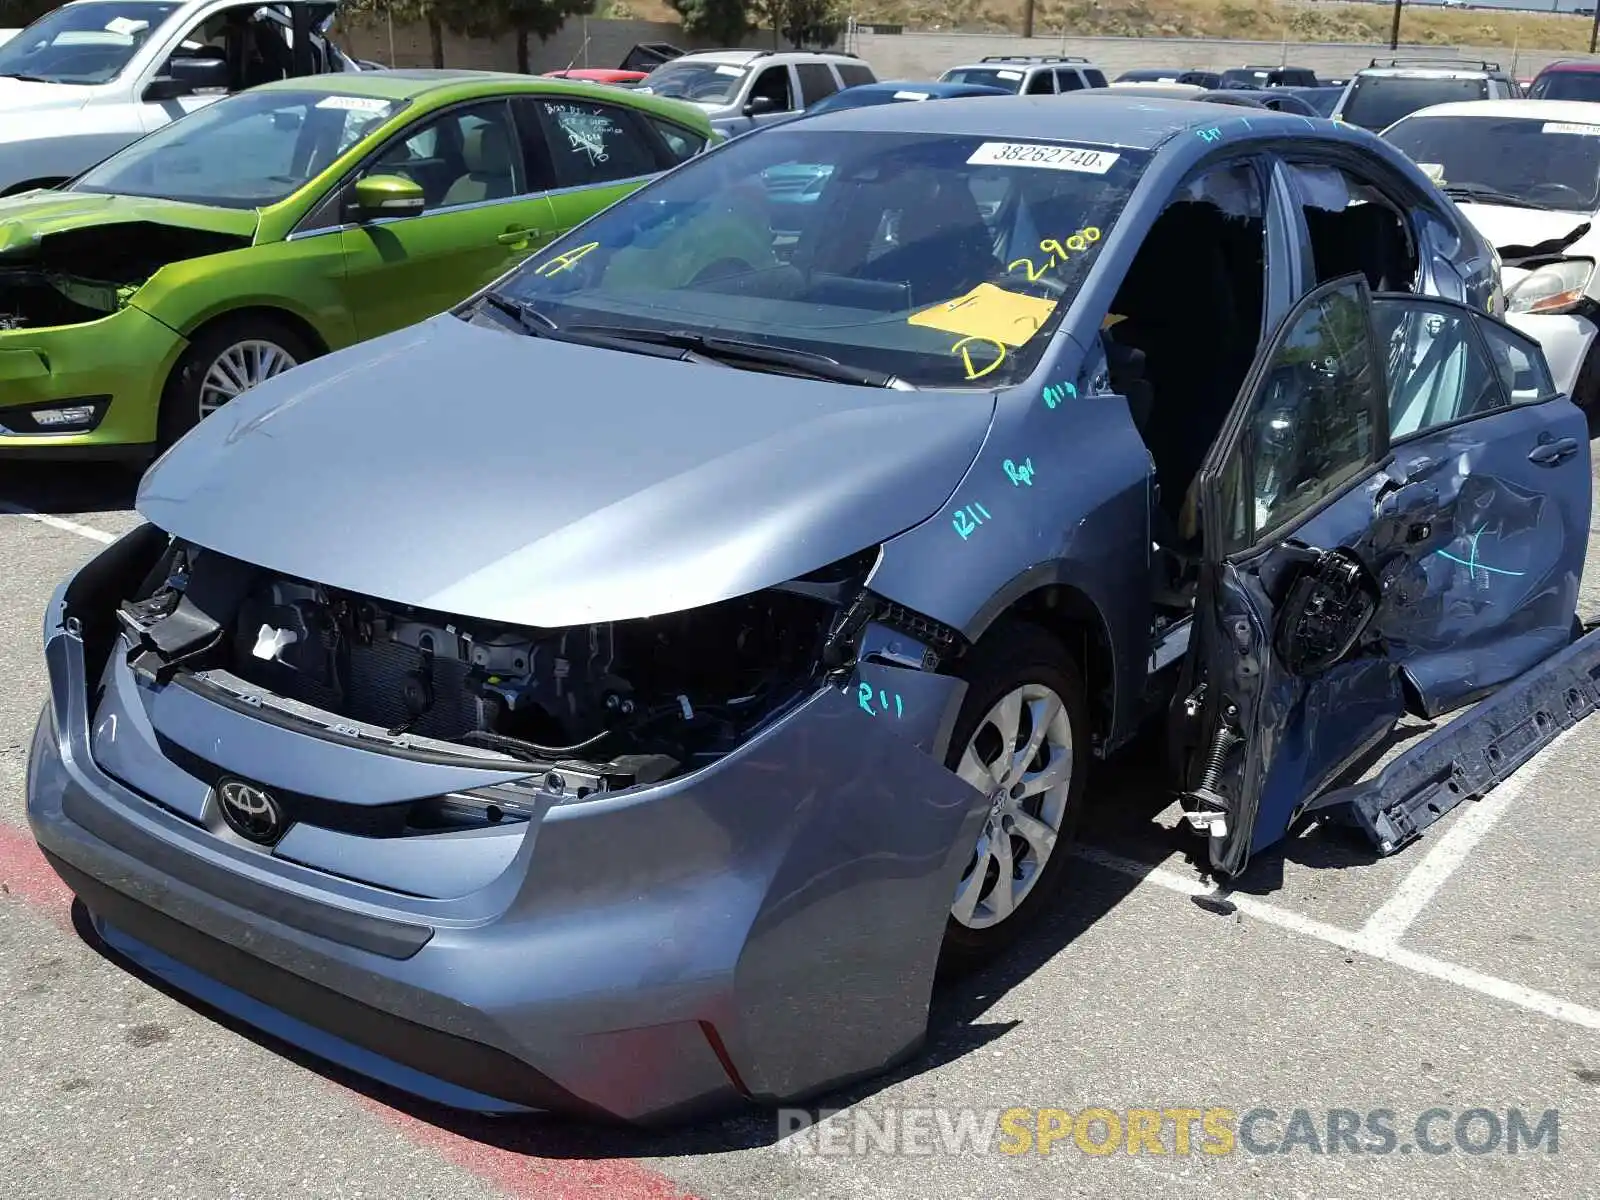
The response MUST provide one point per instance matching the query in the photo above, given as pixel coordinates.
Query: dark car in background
(868, 94)
(1274, 99)
(1321, 99)
(1381, 94)
(1268, 77)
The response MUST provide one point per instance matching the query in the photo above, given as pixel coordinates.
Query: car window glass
(247, 151)
(816, 82)
(465, 156)
(773, 83)
(1309, 427)
(942, 259)
(1095, 78)
(680, 141)
(1566, 85)
(595, 143)
(1437, 369)
(1041, 84)
(1068, 81)
(1377, 101)
(854, 74)
(83, 43)
(1523, 369)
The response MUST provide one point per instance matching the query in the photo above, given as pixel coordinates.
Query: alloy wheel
(1020, 756)
(238, 369)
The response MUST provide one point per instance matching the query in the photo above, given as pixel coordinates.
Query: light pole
(1594, 31)
(1394, 30)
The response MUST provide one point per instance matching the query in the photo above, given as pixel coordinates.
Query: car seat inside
(1189, 321)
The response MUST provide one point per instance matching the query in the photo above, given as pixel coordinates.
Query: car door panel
(405, 269)
(1343, 584)
(1500, 493)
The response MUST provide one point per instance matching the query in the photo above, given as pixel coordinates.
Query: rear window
(996, 77)
(1095, 78)
(1566, 85)
(944, 260)
(855, 74)
(1378, 101)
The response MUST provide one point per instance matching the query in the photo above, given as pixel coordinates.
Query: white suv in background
(742, 89)
(1029, 74)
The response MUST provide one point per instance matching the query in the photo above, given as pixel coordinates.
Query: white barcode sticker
(727, 70)
(366, 104)
(911, 95)
(1571, 127)
(1033, 154)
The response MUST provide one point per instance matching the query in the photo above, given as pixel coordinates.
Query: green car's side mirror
(379, 196)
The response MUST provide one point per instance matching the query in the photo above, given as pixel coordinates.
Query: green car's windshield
(82, 43)
(247, 151)
(940, 260)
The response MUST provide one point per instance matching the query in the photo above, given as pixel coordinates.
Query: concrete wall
(603, 43)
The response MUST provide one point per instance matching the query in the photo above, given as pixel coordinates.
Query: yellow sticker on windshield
(990, 313)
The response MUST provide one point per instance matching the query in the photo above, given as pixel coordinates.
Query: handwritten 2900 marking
(1076, 244)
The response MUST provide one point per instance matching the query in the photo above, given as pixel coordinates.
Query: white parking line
(1347, 939)
(1389, 924)
(88, 531)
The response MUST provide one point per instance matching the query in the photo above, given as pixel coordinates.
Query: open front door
(1282, 688)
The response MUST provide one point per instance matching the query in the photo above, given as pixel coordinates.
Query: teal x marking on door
(1472, 564)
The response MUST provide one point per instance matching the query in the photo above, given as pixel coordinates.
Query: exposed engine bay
(81, 275)
(630, 701)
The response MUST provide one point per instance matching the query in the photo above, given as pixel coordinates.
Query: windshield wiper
(1477, 191)
(536, 324)
(26, 78)
(733, 352)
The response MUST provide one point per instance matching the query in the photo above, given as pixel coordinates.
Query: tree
(405, 12)
(725, 21)
(803, 22)
(522, 19)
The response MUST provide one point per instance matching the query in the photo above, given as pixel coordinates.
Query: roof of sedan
(1581, 112)
(409, 84)
(1096, 115)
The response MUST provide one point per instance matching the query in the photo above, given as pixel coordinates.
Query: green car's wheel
(225, 360)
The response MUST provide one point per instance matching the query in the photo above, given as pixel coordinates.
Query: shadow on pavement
(69, 488)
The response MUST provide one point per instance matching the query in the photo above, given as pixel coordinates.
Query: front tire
(224, 361)
(1022, 739)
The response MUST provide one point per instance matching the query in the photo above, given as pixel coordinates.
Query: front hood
(22, 96)
(531, 482)
(1522, 228)
(27, 218)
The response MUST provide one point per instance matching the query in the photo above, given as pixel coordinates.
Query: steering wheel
(1578, 198)
(1030, 281)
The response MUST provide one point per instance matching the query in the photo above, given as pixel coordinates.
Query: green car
(286, 222)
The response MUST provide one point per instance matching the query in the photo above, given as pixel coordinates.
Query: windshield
(996, 77)
(1322, 99)
(247, 151)
(942, 260)
(1248, 76)
(1552, 164)
(1378, 101)
(707, 83)
(1566, 85)
(82, 43)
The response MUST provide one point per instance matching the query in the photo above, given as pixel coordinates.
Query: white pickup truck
(89, 77)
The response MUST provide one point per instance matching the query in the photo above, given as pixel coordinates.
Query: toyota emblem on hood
(250, 812)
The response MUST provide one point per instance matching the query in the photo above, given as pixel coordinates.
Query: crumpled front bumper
(1566, 339)
(766, 927)
(120, 362)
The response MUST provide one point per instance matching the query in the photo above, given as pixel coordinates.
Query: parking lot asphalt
(1461, 974)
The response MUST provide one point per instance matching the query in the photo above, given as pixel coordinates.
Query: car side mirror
(379, 196)
(760, 106)
(1329, 605)
(186, 76)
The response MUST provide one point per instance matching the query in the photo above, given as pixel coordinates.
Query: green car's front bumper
(117, 366)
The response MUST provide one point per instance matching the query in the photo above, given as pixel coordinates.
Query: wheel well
(29, 185)
(1072, 616)
(266, 312)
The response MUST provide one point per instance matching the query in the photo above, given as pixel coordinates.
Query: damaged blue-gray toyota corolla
(616, 695)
